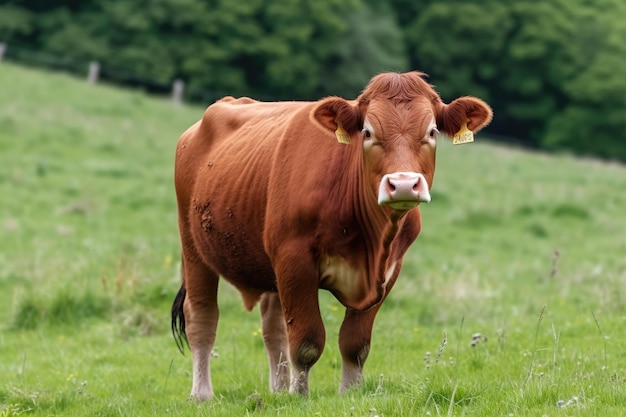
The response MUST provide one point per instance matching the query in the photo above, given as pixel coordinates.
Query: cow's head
(396, 121)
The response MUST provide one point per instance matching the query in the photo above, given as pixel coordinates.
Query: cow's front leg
(201, 317)
(355, 337)
(354, 343)
(297, 281)
(275, 339)
(306, 343)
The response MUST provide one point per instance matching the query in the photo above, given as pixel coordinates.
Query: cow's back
(223, 164)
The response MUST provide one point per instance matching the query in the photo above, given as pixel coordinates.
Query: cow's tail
(178, 320)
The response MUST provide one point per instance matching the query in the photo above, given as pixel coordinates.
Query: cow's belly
(231, 245)
(226, 216)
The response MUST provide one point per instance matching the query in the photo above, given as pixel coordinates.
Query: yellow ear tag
(464, 135)
(342, 135)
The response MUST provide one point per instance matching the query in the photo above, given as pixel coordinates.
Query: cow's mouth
(403, 190)
(403, 205)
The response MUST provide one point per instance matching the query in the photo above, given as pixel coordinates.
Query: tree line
(554, 71)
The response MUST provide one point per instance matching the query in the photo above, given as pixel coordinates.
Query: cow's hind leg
(275, 339)
(201, 316)
(354, 343)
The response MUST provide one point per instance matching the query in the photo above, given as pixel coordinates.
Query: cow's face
(399, 143)
(396, 121)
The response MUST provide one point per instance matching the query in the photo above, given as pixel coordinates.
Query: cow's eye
(433, 133)
(367, 133)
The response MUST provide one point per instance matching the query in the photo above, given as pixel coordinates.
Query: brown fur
(266, 196)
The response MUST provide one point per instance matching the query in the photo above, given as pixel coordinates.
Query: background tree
(550, 70)
(593, 121)
(553, 71)
(372, 43)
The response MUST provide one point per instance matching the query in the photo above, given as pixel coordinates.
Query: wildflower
(444, 342)
(477, 338)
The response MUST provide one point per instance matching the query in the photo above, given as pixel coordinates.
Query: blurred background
(554, 71)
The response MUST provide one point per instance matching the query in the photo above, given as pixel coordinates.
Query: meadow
(512, 302)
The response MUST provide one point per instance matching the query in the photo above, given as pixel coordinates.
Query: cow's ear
(337, 114)
(471, 110)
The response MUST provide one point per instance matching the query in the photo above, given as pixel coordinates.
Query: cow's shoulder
(233, 113)
(237, 101)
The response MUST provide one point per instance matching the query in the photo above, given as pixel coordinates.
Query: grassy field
(511, 303)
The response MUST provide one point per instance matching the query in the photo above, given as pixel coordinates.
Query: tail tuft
(178, 320)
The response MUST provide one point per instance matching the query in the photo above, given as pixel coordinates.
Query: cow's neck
(380, 228)
(376, 230)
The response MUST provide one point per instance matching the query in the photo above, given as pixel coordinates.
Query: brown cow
(269, 200)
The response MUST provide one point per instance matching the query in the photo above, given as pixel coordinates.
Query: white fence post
(3, 49)
(94, 72)
(178, 87)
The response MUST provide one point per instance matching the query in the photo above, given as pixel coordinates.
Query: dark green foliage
(61, 309)
(15, 22)
(537, 230)
(480, 219)
(27, 314)
(373, 44)
(553, 71)
(274, 50)
(572, 211)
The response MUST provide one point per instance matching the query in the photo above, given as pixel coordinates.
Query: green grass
(526, 249)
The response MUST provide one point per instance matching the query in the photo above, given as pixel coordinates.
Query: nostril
(392, 187)
(416, 184)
